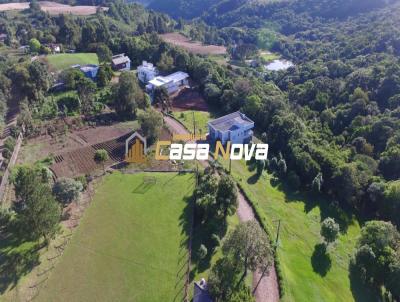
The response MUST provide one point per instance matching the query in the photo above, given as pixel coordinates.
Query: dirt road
(267, 290)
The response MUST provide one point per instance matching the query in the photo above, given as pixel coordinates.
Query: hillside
(186, 9)
(228, 12)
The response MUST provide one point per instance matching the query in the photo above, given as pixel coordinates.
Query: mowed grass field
(64, 60)
(131, 244)
(201, 119)
(307, 276)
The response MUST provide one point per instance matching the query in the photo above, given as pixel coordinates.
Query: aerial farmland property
(202, 151)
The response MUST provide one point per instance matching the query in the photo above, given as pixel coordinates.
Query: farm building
(55, 48)
(90, 70)
(146, 72)
(235, 127)
(172, 82)
(121, 62)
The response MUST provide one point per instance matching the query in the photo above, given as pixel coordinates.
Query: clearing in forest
(193, 46)
(62, 61)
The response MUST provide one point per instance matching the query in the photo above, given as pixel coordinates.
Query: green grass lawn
(201, 118)
(64, 60)
(269, 56)
(307, 276)
(131, 244)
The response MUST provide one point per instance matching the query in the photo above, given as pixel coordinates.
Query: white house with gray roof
(171, 82)
(121, 62)
(235, 127)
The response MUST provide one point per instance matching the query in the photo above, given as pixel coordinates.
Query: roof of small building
(88, 67)
(147, 65)
(174, 77)
(120, 59)
(231, 122)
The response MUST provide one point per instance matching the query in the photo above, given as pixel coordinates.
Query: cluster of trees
(245, 249)
(216, 199)
(37, 211)
(377, 258)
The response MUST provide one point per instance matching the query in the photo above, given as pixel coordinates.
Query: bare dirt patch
(193, 46)
(54, 8)
(188, 99)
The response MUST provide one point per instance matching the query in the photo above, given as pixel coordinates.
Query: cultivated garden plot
(193, 46)
(131, 244)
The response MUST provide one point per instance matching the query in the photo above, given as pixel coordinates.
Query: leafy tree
(329, 230)
(166, 63)
(161, 97)
(39, 78)
(25, 179)
(151, 122)
(34, 6)
(249, 248)
(86, 91)
(40, 215)
(226, 196)
(104, 75)
(34, 45)
(71, 77)
(128, 96)
(377, 254)
(67, 190)
(100, 157)
(104, 53)
(223, 279)
(390, 163)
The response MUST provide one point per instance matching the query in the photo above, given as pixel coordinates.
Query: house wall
(242, 135)
(145, 75)
(123, 67)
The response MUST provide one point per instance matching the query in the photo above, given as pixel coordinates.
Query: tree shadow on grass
(321, 260)
(17, 258)
(253, 179)
(327, 206)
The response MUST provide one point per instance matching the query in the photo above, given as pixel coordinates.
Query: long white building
(171, 82)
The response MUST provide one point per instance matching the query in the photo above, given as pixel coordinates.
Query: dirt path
(268, 289)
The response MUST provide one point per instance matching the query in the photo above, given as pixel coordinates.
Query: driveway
(268, 289)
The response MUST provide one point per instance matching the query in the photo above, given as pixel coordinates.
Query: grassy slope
(130, 245)
(299, 234)
(65, 60)
(201, 117)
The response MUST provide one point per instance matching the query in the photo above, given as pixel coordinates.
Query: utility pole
(277, 234)
(230, 165)
(194, 124)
